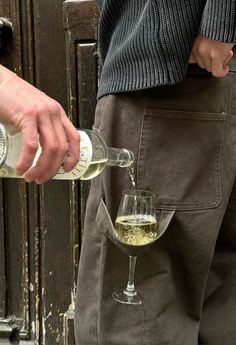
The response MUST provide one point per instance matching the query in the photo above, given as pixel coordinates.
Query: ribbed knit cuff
(219, 20)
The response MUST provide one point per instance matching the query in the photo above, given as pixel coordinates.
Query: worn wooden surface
(53, 46)
(80, 23)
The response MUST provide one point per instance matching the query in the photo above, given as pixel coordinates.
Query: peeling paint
(49, 314)
(33, 327)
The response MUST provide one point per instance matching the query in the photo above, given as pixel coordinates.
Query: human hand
(211, 55)
(40, 119)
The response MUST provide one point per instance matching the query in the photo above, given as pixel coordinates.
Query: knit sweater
(147, 43)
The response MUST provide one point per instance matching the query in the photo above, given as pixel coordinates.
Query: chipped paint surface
(47, 318)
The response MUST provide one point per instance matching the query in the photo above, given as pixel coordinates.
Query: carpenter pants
(184, 141)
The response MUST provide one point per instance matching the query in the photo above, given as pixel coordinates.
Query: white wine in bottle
(94, 156)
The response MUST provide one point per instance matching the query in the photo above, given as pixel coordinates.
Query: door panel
(52, 44)
(14, 321)
(80, 23)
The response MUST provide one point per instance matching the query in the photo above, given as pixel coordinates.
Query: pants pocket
(104, 222)
(180, 157)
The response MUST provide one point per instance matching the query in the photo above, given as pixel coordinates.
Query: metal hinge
(13, 330)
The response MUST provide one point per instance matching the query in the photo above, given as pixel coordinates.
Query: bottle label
(3, 144)
(86, 151)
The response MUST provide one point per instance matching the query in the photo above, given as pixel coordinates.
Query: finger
(229, 57)
(50, 159)
(219, 69)
(63, 148)
(207, 62)
(59, 132)
(226, 70)
(30, 143)
(73, 139)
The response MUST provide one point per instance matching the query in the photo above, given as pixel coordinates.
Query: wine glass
(135, 226)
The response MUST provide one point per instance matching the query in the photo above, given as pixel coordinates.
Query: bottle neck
(119, 157)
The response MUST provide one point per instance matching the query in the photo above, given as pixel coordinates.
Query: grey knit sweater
(147, 43)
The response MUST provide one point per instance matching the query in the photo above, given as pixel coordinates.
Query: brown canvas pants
(184, 141)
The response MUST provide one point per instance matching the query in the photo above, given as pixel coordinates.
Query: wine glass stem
(130, 288)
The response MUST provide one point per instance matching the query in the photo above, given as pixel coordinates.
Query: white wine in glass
(135, 226)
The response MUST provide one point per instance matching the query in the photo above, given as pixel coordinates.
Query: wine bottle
(94, 156)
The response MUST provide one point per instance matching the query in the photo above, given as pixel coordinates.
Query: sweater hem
(105, 90)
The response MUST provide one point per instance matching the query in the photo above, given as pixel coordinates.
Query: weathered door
(52, 44)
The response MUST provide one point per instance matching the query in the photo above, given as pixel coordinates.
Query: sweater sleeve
(219, 20)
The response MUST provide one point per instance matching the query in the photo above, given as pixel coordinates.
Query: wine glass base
(126, 297)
